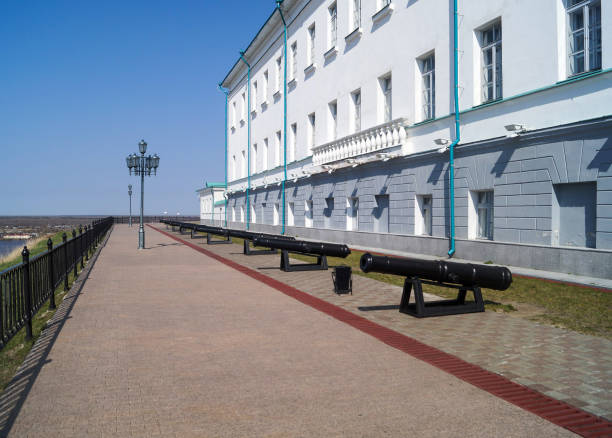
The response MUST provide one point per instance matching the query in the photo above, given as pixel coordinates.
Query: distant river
(8, 245)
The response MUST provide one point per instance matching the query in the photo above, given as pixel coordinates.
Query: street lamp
(142, 166)
(130, 194)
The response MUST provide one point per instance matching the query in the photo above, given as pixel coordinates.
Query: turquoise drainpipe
(451, 173)
(278, 3)
(249, 139)
(226, 92)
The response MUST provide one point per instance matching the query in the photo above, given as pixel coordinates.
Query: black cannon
(248, 236)
(461, 276)
(315, 249)
(212, 231)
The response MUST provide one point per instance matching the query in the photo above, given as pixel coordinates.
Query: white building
(370, 119)
(212, 203)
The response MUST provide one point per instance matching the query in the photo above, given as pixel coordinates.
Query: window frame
(356, 110)
(495, 46)
(487, 207)
(312, 35)
(356, 15)
(428, 86)
(586, 7)
(333, 24)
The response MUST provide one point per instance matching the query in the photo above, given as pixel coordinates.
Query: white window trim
(384, 11)
(586, 29)
(494, 46)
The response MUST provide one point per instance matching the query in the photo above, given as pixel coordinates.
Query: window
(584, 35)
(484, 214)
(234, 170)
(311, 44)
(308, 214)
(293, 147)
(333, 25)
(574, 214)
(293, 72)
(290, 214)
(311, 130)
(242, 213)
(264, 90)
(327, 212)
(381, 214)
(383, 3)
(244, 164)
(264, 158)
(352, 214)
(423, 217)
(278, 73)
(428, 87)
(356, 18)
(234, 214)
(254, 97)
(275, 214)
(243, 112)
(253, 214)
(254, 159)
(333, 120)
(233, 114)
(278, 148)
(262, 216)
(356, 99)
(385, 85)
(491, 38)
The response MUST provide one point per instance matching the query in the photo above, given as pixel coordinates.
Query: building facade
(212, 204)
(365, 127)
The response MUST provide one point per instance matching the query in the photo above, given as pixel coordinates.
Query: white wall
(533, 45)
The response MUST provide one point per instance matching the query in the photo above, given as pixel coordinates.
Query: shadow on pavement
(16, 392)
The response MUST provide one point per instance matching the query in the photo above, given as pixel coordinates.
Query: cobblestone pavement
(560, 363)
(169, 342)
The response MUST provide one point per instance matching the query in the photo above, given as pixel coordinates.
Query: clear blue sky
(82, 82)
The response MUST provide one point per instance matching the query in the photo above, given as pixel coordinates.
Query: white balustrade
(371, 140)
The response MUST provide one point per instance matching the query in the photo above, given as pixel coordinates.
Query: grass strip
(15, 351)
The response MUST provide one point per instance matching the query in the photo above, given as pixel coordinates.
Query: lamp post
(130, 194)
(142, 166)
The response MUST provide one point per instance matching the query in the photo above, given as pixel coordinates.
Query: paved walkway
(562, 364)
(169, 342)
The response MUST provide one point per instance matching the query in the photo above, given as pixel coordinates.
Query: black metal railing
(25, 287)
(150, 219)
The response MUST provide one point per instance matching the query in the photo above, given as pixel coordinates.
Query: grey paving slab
(169, 342)
(564, 364)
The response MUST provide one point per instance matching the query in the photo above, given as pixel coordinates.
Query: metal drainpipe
(451, 251)
(249, 139)
(278, 3)
(226, 92)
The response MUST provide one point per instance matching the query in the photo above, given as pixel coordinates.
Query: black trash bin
(343, 281)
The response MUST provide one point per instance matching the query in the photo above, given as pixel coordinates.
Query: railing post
(81, 245)
(87, 233)
(74, 253)
(65, 251)
(27, 291)
(51, 273)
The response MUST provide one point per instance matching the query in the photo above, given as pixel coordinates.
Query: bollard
(65, 251)
(27, 291)
(51, 273)
(74, 253)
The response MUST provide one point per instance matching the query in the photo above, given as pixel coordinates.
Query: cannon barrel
(328, 249)
(210, 230)
(250, 235)
(465, 274)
